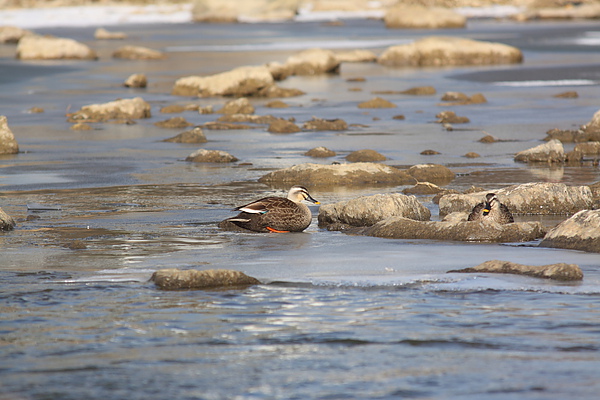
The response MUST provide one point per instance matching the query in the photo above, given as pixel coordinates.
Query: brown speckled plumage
(491, 210)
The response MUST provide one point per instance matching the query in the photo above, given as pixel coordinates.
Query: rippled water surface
(337, 316)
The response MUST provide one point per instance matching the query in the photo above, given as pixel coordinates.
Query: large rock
(12, 34)
(7, 223)
(434, 173)
(211, 156)
(312, 62)
(242, 81)
(580, 11)
(8, 143)
(227, 11)
(592, 128)
(535, 198)
(580, 232)
(368, 210)
(176, 279)
(338, 174)
(549, 152)
(470, 231)
(420, 17)
(33, 47)
(449, 51)
(135, 108)
(138, 53)
(559, 271)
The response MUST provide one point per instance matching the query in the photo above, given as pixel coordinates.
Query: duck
(491, 210)
(276, 214)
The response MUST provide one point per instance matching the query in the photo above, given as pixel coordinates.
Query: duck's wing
(265, 205)
(475, 213)
(506, 212)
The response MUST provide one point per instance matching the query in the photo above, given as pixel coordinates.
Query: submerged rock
(580, 232)
(550, 152)
(318, 124)
(135, 108)
(242, 81)
(377, 102)
(368, 210)
(530, 198)
(172, 123)
(176, 279)
(211, 156)
(283, 126)
(138, 53)
(416, 16)
(192, 136)
(420, 91)
(445, 51)
(33, 47)
(7, 223)
(8, 143)
(366, 155)
(339, 174)
(559, 271)
(470, 231)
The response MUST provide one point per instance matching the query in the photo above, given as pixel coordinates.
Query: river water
(338, 316)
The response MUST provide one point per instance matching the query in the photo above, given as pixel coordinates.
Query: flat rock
(242, 81)
(136, 81)
(312, 62)
(254, 119)
(135, 108)
(461, 99)
(569, 135)
(319, 124)
(550, 152)
(12, 34)
(356, 56)
(272, 91)
(224, 126)
(420, 91)
(434, 173)
(537, 198)
(355, 174)
(33, 47)
(368, 210)
(195, 135)
(7, 222)
(580, 232)
(469, 231)
(230, 11)
(423, 188)
(366, 155)
(320, 152)
(416, 16)
(173, 123)
(567, 95)
(377, 102)
(450, 117)
(176, 279)
(559, 271)
(103, 34)
(283, 126)
(449, 51)
(277, 104)
(211, 156)
(138, 53)
(8, 143)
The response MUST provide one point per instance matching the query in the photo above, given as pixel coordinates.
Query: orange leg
(275, 230)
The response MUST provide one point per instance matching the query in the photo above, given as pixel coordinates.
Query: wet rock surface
(283, 126)
(377, 102)
(579, 232)
(176, 279)
(211, 156)
(173, 123)
(559, 271)
(135, 108)
(7, 222)
(195, 135)
(8, 143)
(319, 124)
(550, 152)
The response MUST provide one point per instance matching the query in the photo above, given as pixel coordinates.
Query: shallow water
(338, 316)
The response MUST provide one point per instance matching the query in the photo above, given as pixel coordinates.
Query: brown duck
(276, 214)
(491, 210)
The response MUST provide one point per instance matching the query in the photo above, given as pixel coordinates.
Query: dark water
(338, 317)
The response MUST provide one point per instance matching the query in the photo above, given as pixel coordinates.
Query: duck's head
(490, 201)
(298, 193)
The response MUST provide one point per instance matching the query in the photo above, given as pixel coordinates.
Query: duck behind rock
(491, 210)
(276, 214)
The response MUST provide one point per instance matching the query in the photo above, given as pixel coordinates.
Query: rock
(237, 106)
(595, 188)
(567, 136)
(399, 117)
(176, 279)
(366, 155)
(449, 51)
(8, 143)
(423, 188)
(222, 126)
(450, 117)
(138, 53)
(550, 152)
(211, 156)
(592, 128)
(312, 62)
(36, 110)
(567, 95)
(33, 47)
(338, 175)
(320, 152)
(7, 223)
(172, 109)
(377, 102)
(318, 124)
(472, 154)
(356, 56)
(420, 91)
(103, 34)
(136, 81)
(588, 148)
(559, 271)
(81, 126)
(455, 97)
(580, 232)
(488, 139)
(272, 91)
(433, 173)
(469, 231)
(205, 110)
(416, 16)
(255, 119)
(461, 99)
(228, 11)
(173, 123)
(192, 136)
(135, 108)
(429, 152)
(242, 81)
(276, 104)
(12, 34)
(535, 198)
(283, 126)
(580, 11)
(368, 210)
